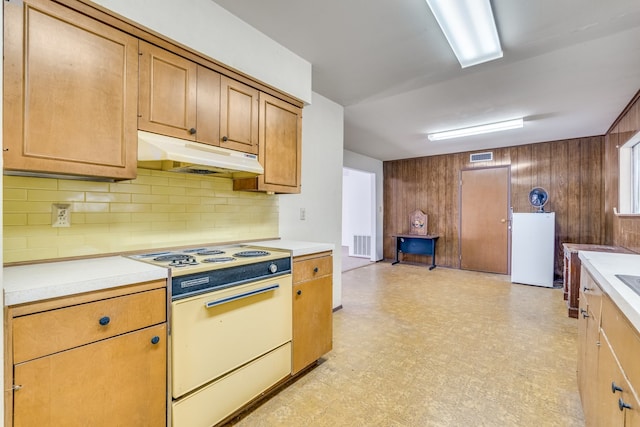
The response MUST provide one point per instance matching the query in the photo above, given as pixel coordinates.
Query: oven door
(217, 332)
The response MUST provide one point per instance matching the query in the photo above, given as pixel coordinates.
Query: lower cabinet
(616, 404)
(312, 309)
(589, 341)
(608, 364)
(96, 359)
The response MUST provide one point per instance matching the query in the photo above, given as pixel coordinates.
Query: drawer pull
(315, 270)
(622, 405)
(104, 321)
(241, 296)
(615, 387)
(155, 340)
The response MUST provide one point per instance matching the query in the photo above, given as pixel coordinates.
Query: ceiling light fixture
(469, 28)
(477, 130)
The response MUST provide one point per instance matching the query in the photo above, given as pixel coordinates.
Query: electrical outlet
(303, 214)
(60, 215)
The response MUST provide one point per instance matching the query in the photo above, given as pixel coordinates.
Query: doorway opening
(358, 218)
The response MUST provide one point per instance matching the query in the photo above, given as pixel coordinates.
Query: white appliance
(532, 248)
(231, 315)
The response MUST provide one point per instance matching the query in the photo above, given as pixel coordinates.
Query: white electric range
(231, 327)
(205, 268)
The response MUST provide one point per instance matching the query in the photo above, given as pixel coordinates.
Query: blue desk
(418, 245)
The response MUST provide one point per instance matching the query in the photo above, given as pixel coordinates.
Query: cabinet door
(116, 382)
(582, 348)
(238, 116)
(280, 145)
(279, 150)
(611, 387)
(70, 90)
(208, 107)
(167, 93)
(312, 321)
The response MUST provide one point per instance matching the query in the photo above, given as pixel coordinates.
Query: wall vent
(481, 157)
(361, 246)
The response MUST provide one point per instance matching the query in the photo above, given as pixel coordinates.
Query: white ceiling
(569, 67)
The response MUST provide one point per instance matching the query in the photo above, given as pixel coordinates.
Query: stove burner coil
(250, 254)
(219, 259)
(173, 257)
(210, 252)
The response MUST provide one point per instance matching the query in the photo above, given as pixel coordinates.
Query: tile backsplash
(156, 210)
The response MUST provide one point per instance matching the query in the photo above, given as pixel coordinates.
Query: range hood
(181, 155)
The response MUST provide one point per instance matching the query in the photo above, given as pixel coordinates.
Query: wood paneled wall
(570, 170)
(620, 231)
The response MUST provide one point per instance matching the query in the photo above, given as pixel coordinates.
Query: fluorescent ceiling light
(469, 28)
(476, 130)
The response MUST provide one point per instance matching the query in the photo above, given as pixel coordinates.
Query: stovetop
(193, 260)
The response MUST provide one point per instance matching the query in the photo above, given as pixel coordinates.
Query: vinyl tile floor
(446, 347)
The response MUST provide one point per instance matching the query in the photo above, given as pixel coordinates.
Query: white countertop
(603, 267)
(296, 247)
(35, 282)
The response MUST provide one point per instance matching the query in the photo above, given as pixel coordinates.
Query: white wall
(364, 163)
(321, 195)
(356, 205)
(208, 28)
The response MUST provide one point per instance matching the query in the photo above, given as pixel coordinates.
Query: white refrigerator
(532, 248)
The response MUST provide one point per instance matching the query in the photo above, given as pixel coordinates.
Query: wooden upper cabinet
(280, 148)
(238, 116)
(208, 107)
(167, 103)
(70, 91)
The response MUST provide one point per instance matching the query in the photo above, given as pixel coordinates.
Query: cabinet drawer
(312, 268)
(624, 340)
(40, 334)
(590, 293)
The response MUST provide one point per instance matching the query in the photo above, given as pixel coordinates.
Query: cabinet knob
(315, 269)
(299, 292)
(615, 387)
(622, 405)
(104, 321)
(225, 138)
(192, 131)
(155, 340)
(584, 313)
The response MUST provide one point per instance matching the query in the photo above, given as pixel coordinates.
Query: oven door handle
(241, 296)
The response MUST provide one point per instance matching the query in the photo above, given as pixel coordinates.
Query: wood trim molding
(629, 106)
